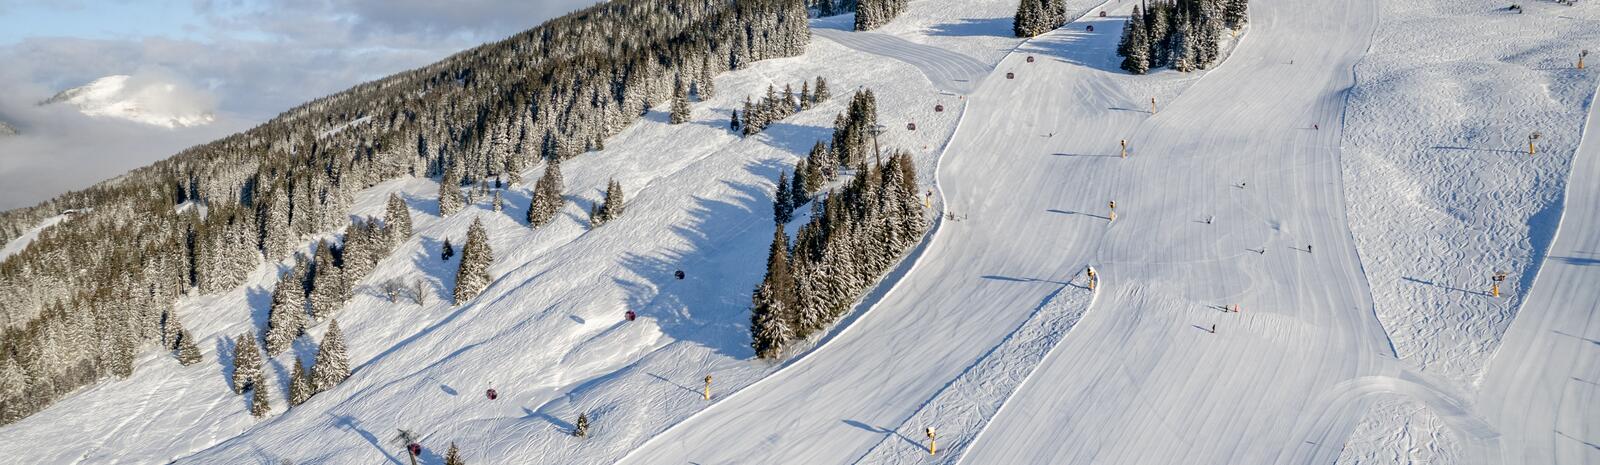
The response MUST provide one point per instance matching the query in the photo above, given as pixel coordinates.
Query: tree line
(775, 107)
(854, 235)
(1182, 34)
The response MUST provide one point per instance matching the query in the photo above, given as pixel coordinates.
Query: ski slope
(1543, 386)
(985, 331)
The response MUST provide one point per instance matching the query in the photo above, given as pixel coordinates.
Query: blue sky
(99, 19)
(246, 59)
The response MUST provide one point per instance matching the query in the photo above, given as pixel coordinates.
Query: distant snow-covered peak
(148, 100)
(7, 130)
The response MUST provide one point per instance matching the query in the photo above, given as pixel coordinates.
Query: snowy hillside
(1292, 251)
(139, 100)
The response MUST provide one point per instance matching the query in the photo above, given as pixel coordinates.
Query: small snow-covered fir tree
(782, 201)
(328, 287)
(188, 353)
(246, 362)
(333, 364)
(797, 187)
(397, 217)
(546, 195)
(609, 208)
(822, 93)
(581, 427)
(287, 316)
(260, 406)
(300, 388)
(453, 455)
(450, 198)
(680, 104)
(774, 302)
(473, 275)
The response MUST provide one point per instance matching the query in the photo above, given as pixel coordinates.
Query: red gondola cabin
(1089, 28)
(938, 108)
(492, 394)
(414, 448)
(1030, 58)
(1102, 14)
(1011, 75)
(630, 315)
(911, 126)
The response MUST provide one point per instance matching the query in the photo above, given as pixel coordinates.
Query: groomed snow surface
(1348, 178)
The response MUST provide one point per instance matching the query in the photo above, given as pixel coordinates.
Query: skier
(1308, 248)
(1315, 126)
(1208, 219)
(1213, 328)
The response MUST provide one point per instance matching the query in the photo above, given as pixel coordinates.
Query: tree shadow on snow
(441, 272)
(348, 423)
(1075, 45)
(974, 27)
(556, 423)
(883, 431)
(225, 356)
(793, 138)
(260, 301)
(727, 242)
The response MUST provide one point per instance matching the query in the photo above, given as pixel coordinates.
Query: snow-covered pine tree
(497, 203)
(706, 86)
(1134, 47)
(609, 208)
(805, 95)
(752, 123)
(450, 198)
(188, 353)
(246, 362)
(1235, 13)
(819, 166)
(680, 103)
(546, 195)
(774, 304)
(333, 364)
(870, 14)
(581, 427)
(287, 316)
(328, 287)
(1027, 21)
(797, 186)
(397, 217)
(473, 275)
(300, 388)
(276, 233)
(260, 406)
(452, 456)
(822, 93)
(1182, 45)
(782, 201)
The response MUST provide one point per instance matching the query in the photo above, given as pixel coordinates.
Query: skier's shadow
(1067, 212)
(674, 383)
(881, 430)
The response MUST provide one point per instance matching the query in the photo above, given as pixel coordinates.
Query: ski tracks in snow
(947, 70)
(966, 405)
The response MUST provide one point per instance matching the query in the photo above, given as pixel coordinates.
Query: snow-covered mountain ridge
(157, 103)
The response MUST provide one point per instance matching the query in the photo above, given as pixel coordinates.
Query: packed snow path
(948, 71)
(1543, 386)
